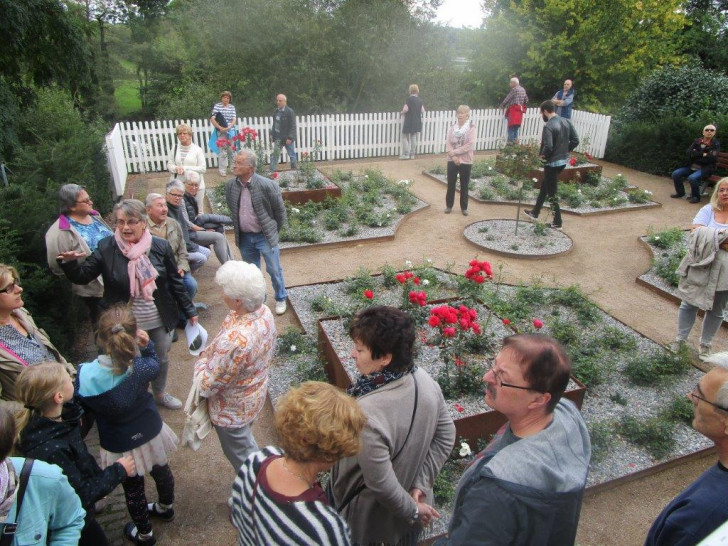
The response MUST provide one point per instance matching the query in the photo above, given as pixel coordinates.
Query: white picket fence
(144, 147)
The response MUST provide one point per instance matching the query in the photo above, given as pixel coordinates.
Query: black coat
(109, 262)
(287, 129)
(705, 156)
(60, 443)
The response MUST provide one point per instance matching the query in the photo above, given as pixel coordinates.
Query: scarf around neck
(460, 132)
(368, 383)
(8, 488)
(140, 269)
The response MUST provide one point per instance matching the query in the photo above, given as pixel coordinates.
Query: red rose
(488, 269)
(506, 321)
(538, 324)
(274, 175)
(368, 294)
(400, 278)
(479, 279)
(459, 408)
(434, 321)
(459, 362)
(416, 280)
(448, 332)
(572, 161)
(476, 328)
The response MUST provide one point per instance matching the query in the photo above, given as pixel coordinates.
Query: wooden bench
(721, 170)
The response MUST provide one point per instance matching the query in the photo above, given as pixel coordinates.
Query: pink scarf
(140, 269)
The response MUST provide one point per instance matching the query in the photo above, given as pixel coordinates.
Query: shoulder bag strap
(252, 504)
(363, 486)
(8, 533)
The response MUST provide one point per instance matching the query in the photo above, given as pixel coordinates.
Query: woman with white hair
(232, 371)
(187, 157)
(205, 229)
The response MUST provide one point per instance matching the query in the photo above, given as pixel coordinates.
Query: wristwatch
(415, 517)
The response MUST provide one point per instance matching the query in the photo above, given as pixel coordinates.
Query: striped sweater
(266, 517)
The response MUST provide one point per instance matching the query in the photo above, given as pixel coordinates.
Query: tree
(603, 46)
(706, 31)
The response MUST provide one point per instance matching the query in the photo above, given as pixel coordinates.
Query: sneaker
(705, 351)
(530, 214)
(168, 401)
(164, 514)
(556, 226)
(281, 307)
(448, 210)
(694, 200)
(175, 336)
(131, 533)
(677, 195)
(677, 345)
(465, 213)
(200, 306)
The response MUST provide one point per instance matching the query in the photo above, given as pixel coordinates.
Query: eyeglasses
(130, 223)
(86, 201)
(176, 195)
(497, 374)
(709, 130)
(697, 394)
(10, 289)
(193, 184)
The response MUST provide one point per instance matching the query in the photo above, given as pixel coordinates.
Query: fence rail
(144, 147)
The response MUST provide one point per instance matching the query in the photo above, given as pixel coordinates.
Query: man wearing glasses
(702, 158)
(703, 506)
(197, 254)
(527, 485)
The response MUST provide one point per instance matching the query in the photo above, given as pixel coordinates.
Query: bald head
(281, 100)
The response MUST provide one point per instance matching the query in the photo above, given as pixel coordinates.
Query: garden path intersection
(606, 259)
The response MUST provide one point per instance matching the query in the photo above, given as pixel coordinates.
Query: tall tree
(604, 46)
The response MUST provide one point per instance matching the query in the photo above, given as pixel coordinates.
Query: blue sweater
(694, 513)
(125, 413)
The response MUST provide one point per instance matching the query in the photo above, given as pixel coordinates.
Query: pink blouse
(463, 147)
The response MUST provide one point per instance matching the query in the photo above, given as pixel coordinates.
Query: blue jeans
(513, 132)
(277, 154)
(252, 245)
(694, 177)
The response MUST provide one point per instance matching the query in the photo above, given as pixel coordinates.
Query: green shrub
(655, 435)
(293, 342)
(680, 410)
(437, 169)
(667, 238)
(601, 434)
(656, 366)
(482, 168)
(588, 368)
(666, 264)
(614, 339)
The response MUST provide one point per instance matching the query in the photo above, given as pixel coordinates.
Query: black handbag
(9, 529)
(220, 119)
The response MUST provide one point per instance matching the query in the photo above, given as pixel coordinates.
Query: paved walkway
(605, 261)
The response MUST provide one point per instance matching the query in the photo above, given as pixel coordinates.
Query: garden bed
(534, 239)
(299, 187)
(571, 173)
(634, 406)
(593, 196)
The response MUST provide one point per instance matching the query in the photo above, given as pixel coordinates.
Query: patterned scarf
(368, 383)
(8, 488)
(140, 269)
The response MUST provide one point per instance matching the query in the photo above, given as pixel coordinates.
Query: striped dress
(266, 517)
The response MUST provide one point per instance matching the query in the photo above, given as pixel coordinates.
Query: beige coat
(172, 231)
(11, 365)
(61, 237)
(380, 513)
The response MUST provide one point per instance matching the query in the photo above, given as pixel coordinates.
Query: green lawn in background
(126, 92)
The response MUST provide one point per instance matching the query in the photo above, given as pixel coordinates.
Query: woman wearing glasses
(140, 270)
(186, 157)
(701, 160)
(80, 228)
(22, 343)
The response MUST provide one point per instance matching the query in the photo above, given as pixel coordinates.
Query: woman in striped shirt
(276, 496)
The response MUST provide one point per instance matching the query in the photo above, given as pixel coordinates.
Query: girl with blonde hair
(49, 430)
(115, 387)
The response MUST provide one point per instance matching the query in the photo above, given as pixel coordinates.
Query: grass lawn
(126, 92)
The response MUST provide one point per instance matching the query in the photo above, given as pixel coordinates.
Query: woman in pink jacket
(460, 152)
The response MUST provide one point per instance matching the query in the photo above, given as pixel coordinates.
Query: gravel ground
(500, 236)
(529, 196)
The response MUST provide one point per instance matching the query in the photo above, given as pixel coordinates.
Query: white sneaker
(168, 401)
(281, 307)
(705, 351)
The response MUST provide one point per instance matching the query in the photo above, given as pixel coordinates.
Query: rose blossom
(538, 324)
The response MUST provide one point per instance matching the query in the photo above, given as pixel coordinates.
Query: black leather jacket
(108, 261)
(287, 127)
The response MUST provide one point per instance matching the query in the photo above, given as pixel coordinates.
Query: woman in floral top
(232, 372)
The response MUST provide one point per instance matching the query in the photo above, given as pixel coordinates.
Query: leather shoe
(694, 200)
(677, 195)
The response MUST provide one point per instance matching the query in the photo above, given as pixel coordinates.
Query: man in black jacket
(557, 140)
(283, 133)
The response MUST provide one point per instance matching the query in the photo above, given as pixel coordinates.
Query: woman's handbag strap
(8, 534)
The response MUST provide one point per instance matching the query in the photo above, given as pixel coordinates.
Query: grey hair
(249, 156)
(174, 184)
(193, 176)
(151, 198)
(67, 196)
(515, 80)
(242, 281)
(133, 208)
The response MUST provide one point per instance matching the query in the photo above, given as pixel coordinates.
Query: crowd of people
(381, 444)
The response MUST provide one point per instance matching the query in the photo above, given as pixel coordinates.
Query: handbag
(9, 529)
(220, 119)
(197, 424)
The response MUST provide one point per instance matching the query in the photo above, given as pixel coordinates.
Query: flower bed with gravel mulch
(533, 239)
(634, 407)
(371, 207)
(595, 195)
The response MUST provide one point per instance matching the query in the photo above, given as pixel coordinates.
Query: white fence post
(145, 146)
